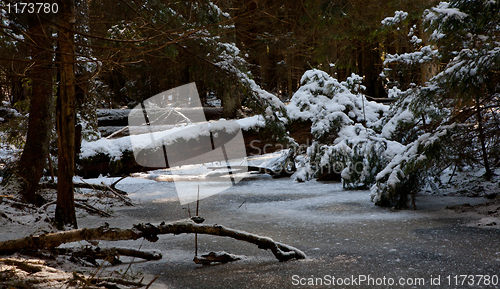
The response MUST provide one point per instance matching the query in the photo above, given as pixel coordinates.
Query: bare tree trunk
(230, 103)
(289, 57)
(482, 139)
(33, 160)
(65, 208)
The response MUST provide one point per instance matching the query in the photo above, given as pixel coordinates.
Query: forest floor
(455, 230)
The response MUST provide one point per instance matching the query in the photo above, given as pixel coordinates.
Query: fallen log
(150, 232)
(256, 143)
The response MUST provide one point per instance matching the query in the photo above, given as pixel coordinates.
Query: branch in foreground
(150, 232)
(90, 255)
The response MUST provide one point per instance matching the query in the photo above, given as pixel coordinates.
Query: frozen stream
(342, 232)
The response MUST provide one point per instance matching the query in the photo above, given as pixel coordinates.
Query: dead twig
(151, 283)
(91, 209)
(120, 196)
(18, 204)
(104, 281)
(117, 181)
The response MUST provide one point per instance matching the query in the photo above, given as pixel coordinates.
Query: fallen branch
(150, 232)
(104, 282)
(119, 195)
(152, 281)
(103, 253)
(23, 265)
(92, 210)
(109, 282)
(83, 186)
(282, 252)
(3, 215)
(110, 254)
(216, 257)
(117, 181)
(80, 203)
(20, 205)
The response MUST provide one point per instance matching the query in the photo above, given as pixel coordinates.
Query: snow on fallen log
(150, 232)
(116, 156)
(115, 148)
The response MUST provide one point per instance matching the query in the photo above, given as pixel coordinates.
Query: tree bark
(65, 208)
(230, 104)
(482, 139)
(31, 164)
(150, 232)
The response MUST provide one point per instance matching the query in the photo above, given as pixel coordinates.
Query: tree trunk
(230, 104)
(33, 160)
(482, 140)
(65, 208)
(289, 90)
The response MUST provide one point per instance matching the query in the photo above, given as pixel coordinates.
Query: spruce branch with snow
(453, 117)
